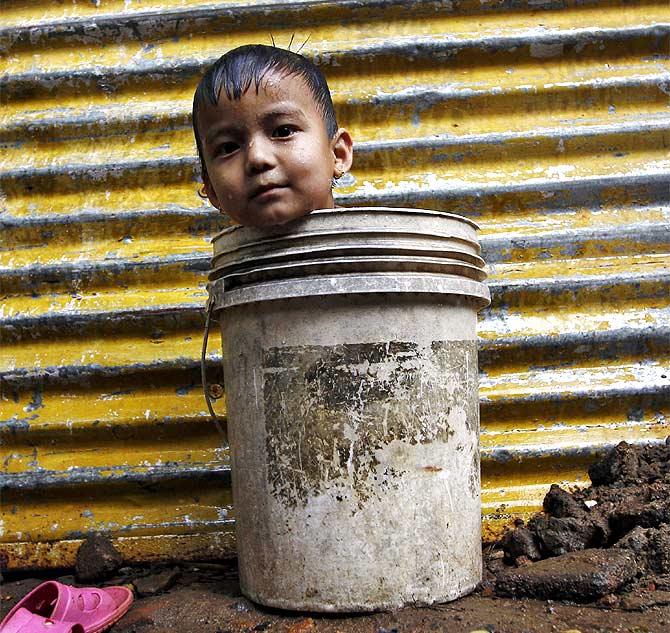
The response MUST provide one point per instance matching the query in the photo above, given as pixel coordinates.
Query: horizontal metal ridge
(154, 474)
(67, 320)
(97, 171)
(567, 132)
(560, 285)
(144, 20)
(68, 270)
(580, 343)
(651, 232)
(431, 45)
(73, 374)
(656, 234)
(21, 377)
(640, 125)
(94, 216)
(505, 454)
(410, 46)
(408, 194)
(588, 393)
(176, 115)
(105, 475)
(429, 95)
(497, 288)
(654, 392)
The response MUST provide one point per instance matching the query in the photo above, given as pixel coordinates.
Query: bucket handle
(203, 368)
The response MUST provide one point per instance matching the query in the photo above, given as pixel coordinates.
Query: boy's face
(268, 156)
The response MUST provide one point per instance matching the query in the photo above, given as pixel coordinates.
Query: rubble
(156, 583)
(97, 559)
(579, 576)
(575, 548)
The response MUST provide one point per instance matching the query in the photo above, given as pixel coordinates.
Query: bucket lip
(348, 283)
(336, 210)
(294, 240)
(224, 272)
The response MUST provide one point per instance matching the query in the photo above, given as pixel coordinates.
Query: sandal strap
(23, 621)
(81, 604)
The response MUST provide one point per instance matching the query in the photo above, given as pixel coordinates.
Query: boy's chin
(274, 216)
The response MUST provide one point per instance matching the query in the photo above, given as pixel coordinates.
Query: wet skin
(268, 156)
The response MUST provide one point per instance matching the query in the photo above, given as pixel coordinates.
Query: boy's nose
(259, 155)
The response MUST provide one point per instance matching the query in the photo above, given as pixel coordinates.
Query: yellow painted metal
(548, 123)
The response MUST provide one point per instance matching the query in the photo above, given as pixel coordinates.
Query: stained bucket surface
(350, 364)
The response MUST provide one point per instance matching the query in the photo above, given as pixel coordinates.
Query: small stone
(523, 561)
(580, 576)
(559, 536)
(304, 625)
(97, 559)
(620, 465)
(520, 542)
(608, 601)
(156, 583)
(560, 504)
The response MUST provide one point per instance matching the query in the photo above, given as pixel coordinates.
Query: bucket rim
(295, 241)
(348, 283)
(409, 210)
(275, 267)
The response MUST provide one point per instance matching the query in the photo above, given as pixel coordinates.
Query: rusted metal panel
(547, 122)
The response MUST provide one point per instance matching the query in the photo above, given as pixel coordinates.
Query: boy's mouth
(261, 189)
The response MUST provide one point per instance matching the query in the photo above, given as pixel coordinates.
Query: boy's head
(267, 136)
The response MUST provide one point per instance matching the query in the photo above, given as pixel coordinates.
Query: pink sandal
(59, 608)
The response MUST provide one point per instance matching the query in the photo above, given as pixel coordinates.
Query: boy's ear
(209, 190)
(343, 149)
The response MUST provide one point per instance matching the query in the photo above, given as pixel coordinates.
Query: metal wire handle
(203, 369)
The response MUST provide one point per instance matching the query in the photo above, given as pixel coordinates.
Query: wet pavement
(206, 598)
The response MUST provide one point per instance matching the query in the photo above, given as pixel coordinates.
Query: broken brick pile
(597, 543)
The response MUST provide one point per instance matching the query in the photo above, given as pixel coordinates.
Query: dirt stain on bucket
(331, 410)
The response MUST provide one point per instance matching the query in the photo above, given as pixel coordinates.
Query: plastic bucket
(350, 365)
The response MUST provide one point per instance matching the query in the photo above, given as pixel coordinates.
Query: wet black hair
(236, 70)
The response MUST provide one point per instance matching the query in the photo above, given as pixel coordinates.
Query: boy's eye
(283, 131)
(227, 147)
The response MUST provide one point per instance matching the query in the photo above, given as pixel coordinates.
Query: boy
(267, 137)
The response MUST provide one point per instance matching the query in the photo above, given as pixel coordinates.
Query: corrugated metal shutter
(547, 122)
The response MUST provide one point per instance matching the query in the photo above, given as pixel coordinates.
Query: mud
(625, 512)
(206, 598)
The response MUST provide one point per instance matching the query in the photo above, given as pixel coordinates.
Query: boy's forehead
(274, 88)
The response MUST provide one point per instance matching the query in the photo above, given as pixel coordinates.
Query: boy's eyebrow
(217, 130)
(281, 110)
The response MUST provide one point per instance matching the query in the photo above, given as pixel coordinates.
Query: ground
(206, 598)
(607, 546)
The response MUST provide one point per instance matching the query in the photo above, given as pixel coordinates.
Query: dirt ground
(596, 560)
(206, 599)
